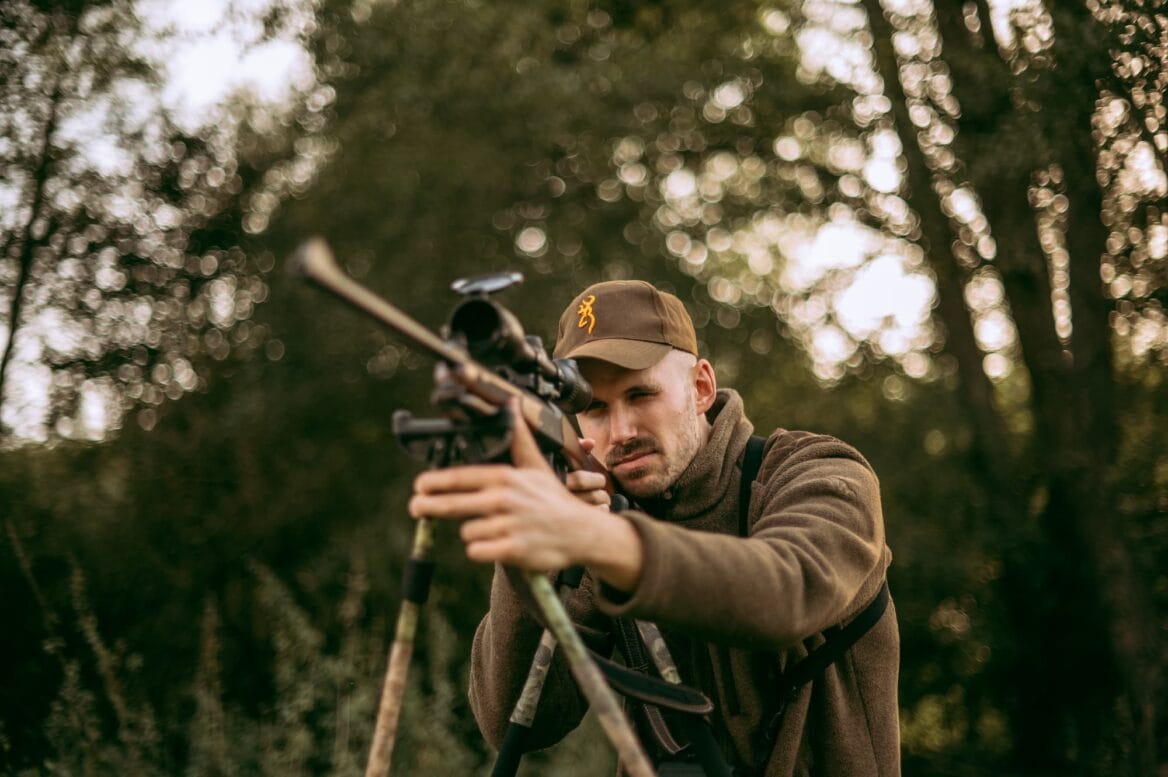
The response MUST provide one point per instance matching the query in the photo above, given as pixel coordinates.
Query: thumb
(587, 443)
(525, 452)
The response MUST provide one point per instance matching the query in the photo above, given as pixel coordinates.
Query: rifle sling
(650, 690)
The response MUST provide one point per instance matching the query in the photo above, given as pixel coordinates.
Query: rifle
(473, 395)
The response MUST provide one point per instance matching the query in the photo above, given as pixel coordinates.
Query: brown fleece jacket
(735, 611)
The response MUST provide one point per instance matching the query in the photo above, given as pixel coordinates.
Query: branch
(1081, 48)
(27, 251)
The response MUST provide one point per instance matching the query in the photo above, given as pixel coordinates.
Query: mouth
(631, 463)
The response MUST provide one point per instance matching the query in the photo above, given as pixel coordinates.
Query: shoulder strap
(838, 640)
(751, 461)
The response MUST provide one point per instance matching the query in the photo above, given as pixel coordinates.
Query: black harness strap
(838, 639)
(751, 461)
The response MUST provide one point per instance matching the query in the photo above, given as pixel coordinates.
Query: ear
(705, 385)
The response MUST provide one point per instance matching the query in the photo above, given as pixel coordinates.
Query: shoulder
(785, 445)
(790, 455)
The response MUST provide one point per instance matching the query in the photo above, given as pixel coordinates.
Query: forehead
(609, 379)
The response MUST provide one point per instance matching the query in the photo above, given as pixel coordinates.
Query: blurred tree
(119, 261)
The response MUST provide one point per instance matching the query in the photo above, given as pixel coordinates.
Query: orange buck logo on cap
(586, 315)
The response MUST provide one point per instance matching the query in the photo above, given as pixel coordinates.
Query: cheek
(683, 437)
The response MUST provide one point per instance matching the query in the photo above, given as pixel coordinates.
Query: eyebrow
(641, 387)
(646, 388)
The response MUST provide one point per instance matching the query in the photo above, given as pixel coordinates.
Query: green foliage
(317, 721)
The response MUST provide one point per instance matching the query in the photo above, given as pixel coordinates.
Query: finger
(582, 480)
(525, 451)
(486, 528)
(421, 507)
(599, 498)
(500, 550)
(587, 443)
(514, 552)
(457, 505)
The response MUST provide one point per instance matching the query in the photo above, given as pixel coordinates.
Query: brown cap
(628, 323)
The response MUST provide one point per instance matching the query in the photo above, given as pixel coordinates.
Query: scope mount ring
(489, 283)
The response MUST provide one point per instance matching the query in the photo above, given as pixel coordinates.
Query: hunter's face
(648, 424)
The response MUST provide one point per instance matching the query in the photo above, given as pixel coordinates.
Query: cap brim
(630, 354)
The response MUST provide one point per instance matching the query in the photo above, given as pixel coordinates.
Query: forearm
(751, 593)
(611, 548)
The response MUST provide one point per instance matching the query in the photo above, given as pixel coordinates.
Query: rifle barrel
(314, 259)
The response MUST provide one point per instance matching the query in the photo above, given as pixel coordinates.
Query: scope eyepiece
(575, 391)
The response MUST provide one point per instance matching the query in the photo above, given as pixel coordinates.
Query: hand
(522, 515)
(589, 486)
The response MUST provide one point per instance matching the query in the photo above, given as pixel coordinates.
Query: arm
(816, 548)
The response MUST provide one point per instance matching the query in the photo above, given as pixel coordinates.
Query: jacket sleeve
(501, 655)
(815, 547)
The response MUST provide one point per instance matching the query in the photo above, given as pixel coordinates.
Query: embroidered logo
(586, 316)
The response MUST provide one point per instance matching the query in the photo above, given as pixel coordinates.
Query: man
(739, 602)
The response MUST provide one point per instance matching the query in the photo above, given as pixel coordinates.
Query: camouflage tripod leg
(590, 680)
(512, 749)
(416, 588)
(523, 716)
(659, 651)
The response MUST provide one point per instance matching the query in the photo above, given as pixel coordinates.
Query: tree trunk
(991, 446)
(1067, 663)
(1082, 57)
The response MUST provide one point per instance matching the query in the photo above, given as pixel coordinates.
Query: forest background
(939, 233)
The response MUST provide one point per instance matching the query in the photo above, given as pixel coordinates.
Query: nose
(622, 425)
